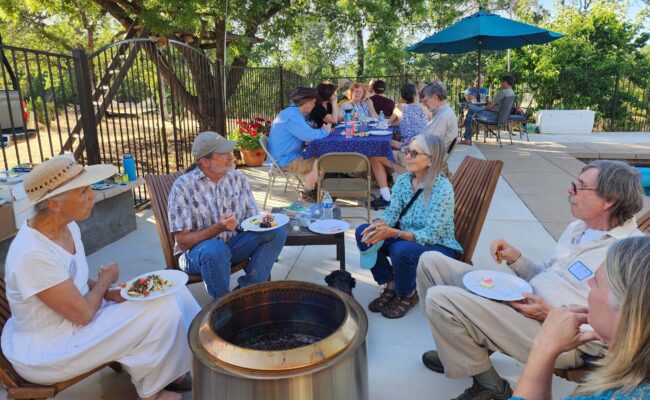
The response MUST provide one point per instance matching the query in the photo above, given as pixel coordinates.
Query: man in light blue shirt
(290, 131)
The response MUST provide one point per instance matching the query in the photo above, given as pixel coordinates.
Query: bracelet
(516, 259)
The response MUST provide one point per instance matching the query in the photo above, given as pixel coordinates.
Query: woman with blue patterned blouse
(359, 105)
(402, 236)
(619, 313)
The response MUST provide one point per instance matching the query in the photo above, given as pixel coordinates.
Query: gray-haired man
(206, 205)
(443, 123)
(467, 327)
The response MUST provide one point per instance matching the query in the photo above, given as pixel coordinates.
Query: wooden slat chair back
(159, 187)
(354, 163)
(579, 374)
(474, 184)
(17, 387)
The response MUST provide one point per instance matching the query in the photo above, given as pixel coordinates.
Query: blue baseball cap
(368, 257)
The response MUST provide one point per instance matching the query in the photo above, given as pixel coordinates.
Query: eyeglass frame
(576, 188)
(409, 152)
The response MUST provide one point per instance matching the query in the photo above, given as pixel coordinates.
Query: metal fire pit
(281, 340)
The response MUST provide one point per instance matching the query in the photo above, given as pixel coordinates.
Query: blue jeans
(212, 258)
(483, 114)
(404, 256)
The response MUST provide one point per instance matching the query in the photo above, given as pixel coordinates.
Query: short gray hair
(620, 183)
(41, 206)
(435, 88)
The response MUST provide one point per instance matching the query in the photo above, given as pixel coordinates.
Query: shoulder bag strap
(408, 205)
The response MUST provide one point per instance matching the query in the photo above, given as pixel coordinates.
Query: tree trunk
(361, 53)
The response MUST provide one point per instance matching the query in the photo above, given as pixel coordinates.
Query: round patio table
(336, 142)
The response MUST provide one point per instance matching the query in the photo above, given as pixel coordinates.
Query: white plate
(179, 279)
(250, 224)
(380, 133)
(506, 287)
(329, 226)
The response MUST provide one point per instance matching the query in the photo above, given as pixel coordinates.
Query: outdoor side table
(305, 237)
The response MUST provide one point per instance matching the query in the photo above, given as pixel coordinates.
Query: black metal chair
(501, 122)
(523, 118)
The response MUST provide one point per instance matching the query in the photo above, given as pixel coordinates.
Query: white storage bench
(567, 122)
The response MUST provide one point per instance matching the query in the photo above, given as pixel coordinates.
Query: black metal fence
(136, 96)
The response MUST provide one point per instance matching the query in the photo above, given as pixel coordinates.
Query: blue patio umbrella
(483, 31)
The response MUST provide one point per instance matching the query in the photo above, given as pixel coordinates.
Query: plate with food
(496, 285)
(380, 133)
(153, 285)
(329, 226)
(264, 222)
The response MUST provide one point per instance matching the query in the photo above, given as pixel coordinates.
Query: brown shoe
(466, 141)
(384, 299)
(400, 306)
(309, 196)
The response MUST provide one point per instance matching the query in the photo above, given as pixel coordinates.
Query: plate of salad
(153, 285)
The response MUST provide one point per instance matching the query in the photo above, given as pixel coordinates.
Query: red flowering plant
(248, 133)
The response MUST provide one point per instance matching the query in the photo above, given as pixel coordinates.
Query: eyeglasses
(576, 188)
(412, 153)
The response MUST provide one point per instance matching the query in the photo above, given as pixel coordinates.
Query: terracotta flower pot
(253, 158)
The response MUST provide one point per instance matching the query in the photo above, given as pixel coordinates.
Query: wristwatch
(399, 234)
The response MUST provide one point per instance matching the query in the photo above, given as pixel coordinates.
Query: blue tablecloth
(369, 146)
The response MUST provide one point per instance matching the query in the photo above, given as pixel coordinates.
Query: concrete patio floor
(529, 181)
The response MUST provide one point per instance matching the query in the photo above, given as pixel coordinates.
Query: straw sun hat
(61, 174)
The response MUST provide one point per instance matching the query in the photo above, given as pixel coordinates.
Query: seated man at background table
(290, 131)
(467, 327)
(443, 121)
(491, 109)
(205, 207)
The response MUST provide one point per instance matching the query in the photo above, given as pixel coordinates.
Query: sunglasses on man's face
(412, 153)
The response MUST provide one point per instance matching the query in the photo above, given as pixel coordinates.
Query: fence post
(281, 88)
(612, 115)
(82, 75)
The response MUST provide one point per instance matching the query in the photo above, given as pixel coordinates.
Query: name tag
(580, 271)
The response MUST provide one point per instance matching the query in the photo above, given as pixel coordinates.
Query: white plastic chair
(275, 170)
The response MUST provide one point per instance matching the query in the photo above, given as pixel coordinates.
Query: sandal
(400, 306)
(384, 299)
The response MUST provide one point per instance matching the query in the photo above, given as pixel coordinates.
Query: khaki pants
(466, 326)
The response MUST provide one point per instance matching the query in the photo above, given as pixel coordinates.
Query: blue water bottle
(129, 167)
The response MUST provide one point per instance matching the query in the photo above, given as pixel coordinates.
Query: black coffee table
(305, 237)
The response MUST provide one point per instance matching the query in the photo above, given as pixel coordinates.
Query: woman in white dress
(63, 323)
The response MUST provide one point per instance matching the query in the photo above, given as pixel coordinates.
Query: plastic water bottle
(381, 117)
(327, 207)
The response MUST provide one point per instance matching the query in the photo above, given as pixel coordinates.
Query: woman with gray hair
(420, 218)
(63, 323)
(619, 313)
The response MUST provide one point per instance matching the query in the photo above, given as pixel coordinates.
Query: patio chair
(19, 388)
(474, 183)
(579, 374)
(450, 149)
(502, 121)
(159, 187)
(345, 163)
(274, 171)
(522, 119)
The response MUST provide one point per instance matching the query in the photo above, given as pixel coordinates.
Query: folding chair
(502, 120)
(274, 171)
(345, 163)
(522, 119)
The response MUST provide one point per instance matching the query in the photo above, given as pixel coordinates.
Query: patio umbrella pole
(478, 79)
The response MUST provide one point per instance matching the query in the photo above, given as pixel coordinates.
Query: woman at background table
(404, 234)
(64, 324)
(326, 111)
(619, 313)
(360, 106)
(290, 131)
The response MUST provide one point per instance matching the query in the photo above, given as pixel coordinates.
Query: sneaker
(478, 392)
(431, 360)
(309, 196)
(466, 141)
(379, 203)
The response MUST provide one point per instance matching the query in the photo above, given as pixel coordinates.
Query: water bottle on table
(327, 212)
(129, 167)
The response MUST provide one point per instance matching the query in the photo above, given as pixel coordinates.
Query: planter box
(567, 122)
